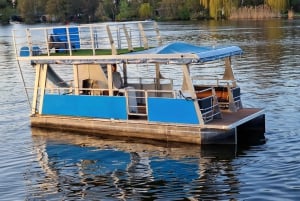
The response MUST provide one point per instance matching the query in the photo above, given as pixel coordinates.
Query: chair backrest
(36, 51)
(24, 51)
(60, 35)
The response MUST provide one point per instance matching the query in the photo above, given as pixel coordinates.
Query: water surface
(48, 165)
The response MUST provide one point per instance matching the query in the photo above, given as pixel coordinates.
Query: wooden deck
(233, 119)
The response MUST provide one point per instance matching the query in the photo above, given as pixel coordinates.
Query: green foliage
(51, 9)
(184, 13)
(222, 8)
(106, 10)
(3, 4)
(191, 9)
(124, 10)
(6, 10)
(95, 10)
(26, 9)
(170, 9)
(280, 5)
(5, 15)
(145, 11)
(251, 2)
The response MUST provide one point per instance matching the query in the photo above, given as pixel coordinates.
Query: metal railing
(136, 99)
(208, 104)
(215, 81)
(91, 38)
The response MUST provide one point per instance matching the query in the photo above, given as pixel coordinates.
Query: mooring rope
(24, 84)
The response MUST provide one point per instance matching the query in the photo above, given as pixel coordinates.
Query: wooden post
(28, 35)
(157, 33)
(157, 78)
(111, 40)
(125, 74)
(231, 104)
(36, 89)
(76, 79)
(92, 40)
(47, 41)
(191, 90)
(129, 42)
(69, 41)
(143, 35)
(110, 80)
(42, 83)
(228, 73)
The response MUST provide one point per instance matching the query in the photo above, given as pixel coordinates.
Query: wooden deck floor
(233, 119)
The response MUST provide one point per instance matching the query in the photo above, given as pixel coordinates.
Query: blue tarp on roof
(204, 53)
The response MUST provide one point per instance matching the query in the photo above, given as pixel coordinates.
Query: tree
(124, 10)
(52, 8)
(100, 12)
(279, 5)
(93, 10)
(90, 7)
(295, 5)
(3, 4)
(40, 7)
(184, 13)
(27, 10)
(251, 3)
(169, 9)
(5, 11)
(145, 11)
(134, 6)
(75, 10)
(111, 8)
(205, 3)
(221, 8)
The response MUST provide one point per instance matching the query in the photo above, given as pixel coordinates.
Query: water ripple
(44, 165)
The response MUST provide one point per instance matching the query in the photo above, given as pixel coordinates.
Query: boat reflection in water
(90, 167)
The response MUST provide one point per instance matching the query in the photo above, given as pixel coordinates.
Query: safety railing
(227, 92)
(213, 81)
(208, 104)
(92, 39)
(136, 99)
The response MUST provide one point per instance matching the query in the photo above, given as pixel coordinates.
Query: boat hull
(138, 129)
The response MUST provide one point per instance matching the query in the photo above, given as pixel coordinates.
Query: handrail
(208, 113)
(219, 81)
(140, 79)
(208, 103)
(90, 37)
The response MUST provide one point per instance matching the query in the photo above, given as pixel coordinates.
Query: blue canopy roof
(176, 53)
(201, 53)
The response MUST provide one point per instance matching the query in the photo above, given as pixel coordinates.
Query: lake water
(44, 165)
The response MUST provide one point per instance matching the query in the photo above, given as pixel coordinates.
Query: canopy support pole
(191, 91)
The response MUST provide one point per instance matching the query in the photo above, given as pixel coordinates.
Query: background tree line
(6, 10)
(85, 11)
